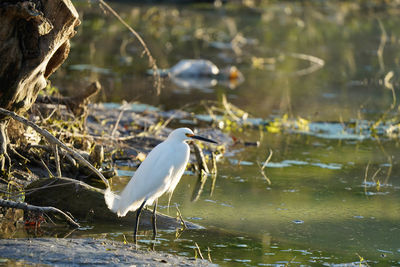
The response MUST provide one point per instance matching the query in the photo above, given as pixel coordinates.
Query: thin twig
(316, 64)
(10, 147)
(123, 108)
(214, 172)
(366, 177)
(362, 260)
(289, 262)
(57, 160)
(388, 84)
(375, 174)
(27, 207)
(198, 250)
(214, 169)
(265, 165)
(152, 61)
(209, 254)
(51, 175)
(50, 185)
(54, 141)
(199, 187)
(228, 108)
(63, 153)
(3, 146)
(381, 47)
(181, 218)
(201, 161)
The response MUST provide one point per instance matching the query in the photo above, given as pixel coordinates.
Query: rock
(85, 252)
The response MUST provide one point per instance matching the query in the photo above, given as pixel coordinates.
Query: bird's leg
(137, 221)
(154, 220)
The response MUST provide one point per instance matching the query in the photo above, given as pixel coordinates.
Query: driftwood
(77, 104)
(27, 207)
(34, 42)
(87, 203)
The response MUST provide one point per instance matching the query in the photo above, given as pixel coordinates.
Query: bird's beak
(201, 138)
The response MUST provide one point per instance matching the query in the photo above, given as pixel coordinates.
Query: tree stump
(34, 42)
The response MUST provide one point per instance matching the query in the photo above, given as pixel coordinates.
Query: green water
(318, 208)
(322, 207)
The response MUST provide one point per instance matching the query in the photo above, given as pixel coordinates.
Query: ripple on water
(241, 162)
(331, 166)
(290, 163)
(286, 163)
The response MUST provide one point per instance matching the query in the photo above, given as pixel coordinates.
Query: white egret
(160, 172)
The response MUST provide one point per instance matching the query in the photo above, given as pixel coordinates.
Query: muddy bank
(93, 252)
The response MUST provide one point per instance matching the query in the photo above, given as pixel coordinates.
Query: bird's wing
(150, 180)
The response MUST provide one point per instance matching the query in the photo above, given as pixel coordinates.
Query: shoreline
(86, 251)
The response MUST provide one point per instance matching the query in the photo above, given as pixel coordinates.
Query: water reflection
(269, 44)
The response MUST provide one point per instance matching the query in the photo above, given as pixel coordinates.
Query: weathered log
(34, 42)
(87, 203)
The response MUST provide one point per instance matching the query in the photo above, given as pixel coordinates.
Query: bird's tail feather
(123, 209)
(119, 206)
(112, 200)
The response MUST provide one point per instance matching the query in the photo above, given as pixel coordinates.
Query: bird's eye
(189, 135)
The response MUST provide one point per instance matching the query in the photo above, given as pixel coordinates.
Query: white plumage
(160, 172)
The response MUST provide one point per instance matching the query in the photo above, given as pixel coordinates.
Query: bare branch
(54, 141)
(201, 161)
(152, 61)
(265, 165)
(57, 160)
(26, 207)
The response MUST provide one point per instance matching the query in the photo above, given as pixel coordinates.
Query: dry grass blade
(152, 61)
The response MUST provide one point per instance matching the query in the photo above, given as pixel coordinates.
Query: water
(321, 208)
(318, 210)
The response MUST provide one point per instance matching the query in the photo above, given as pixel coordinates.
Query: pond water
(334, 199)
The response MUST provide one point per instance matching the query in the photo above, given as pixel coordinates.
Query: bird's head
(185, 134)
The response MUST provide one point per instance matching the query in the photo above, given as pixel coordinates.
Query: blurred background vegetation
(358, 40)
